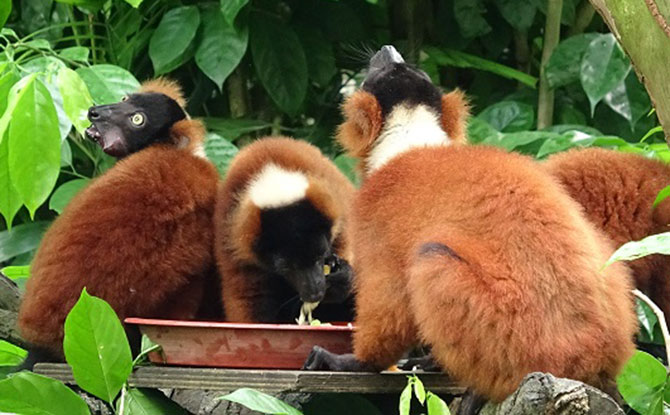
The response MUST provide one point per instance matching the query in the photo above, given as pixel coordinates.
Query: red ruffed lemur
(617, 191)
(280, 234)
(140, 235)
(471, 250)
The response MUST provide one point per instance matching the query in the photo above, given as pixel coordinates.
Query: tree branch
(552, 33)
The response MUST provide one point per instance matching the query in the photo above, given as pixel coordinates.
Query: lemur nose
(93, 113)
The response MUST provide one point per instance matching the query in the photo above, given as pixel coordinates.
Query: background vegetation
(543, 76)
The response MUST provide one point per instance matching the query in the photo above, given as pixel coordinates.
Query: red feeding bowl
(240, 345)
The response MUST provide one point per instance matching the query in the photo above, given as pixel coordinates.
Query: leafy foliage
(643, 383)
(261, 402)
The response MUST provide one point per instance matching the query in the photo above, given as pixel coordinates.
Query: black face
(295, 244)
(134, 123)
(392, 81)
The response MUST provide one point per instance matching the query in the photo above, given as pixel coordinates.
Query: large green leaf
(231, 129)
(405, 400)
(654, 244)
(7, 80)
(75, 53)
(469, 15)
(279, 61)
(5, 10)
(96, 347)
(231, 8)
(76, 98)
(221, 48)
(220, 151)
(629, 99)
(108, 83)
(174, 34)
(642, 381)
(27, 393)
(65, 192)
(523, 141)
(21, 239)
(149, 402)
(662, 195)
(565, 62)
(520, 14)
(603, 67)
(479, 131)
(436, 406)
(319, 53)
(451, 57)
(509, 116)
(34, 145)
(10, 200)
(261, 402)
(11, 355)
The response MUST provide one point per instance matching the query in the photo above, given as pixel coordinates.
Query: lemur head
(398, 108)
(288, 225)
(139, 120)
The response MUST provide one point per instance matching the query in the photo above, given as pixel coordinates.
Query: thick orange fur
(164, 86)
(482, 255)
(139, 236)
(237, 220)
(617, 191)
(455, 113)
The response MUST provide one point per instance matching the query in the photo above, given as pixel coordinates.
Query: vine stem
(660, 316)
(552, 33)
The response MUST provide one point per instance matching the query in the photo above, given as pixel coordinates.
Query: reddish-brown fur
(139, 236)
(237, 220)
(617, 191)
(519, 288)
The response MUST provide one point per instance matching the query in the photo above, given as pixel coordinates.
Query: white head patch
(405, 128)
(276, 187)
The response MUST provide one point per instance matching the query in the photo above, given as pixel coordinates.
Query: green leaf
(513, 141)
(75, 53)
(603, 67)
(662, 195)
(509, 116)
(320, 58)
(231, 129)
(34, 145)
(469, 15)
(641, 381)
(150, 402)
(76, 98)
(231, 8)
(7, 80)
(629, 99)
(260, 402)
(27, 393)
(65, 192)
(221, 48)
(96, 347)
(564, 142)
(220, 151)
(419, 390)
(134, 3)
(654, 244)
(451, 57)
(520, 14)
(11, 355)
(347, 165)
(437, 406)
(108, 83)
(65, 153)
(646, 317)
(565, 62)
(405, 398)
(21, 239)
(5, 10)
(480, 131)
(174, 34)
(14, 272)
(10, 200)
(147, 346)
(279, 61)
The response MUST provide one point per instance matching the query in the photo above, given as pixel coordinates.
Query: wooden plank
(267, 380)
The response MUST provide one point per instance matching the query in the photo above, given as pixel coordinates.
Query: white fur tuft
(275, 187)
(405, 128)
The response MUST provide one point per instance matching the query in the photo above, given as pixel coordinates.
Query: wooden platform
(267, 380)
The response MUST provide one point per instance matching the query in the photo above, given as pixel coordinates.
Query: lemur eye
(125, 97)
(137, 119)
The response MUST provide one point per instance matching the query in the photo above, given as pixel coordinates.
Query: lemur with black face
(140, 235)
(280, 219)
(471, 250)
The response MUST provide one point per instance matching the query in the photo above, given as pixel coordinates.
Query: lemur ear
(362, 123)
(455, 113)
(164, 86)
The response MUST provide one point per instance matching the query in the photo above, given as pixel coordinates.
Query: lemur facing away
(472, 250)
(140, 235)
(280, 219)
(617, 191)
